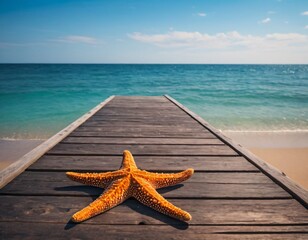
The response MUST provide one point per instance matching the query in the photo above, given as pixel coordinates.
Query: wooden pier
(232, 195)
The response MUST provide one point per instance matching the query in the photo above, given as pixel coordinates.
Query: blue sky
(208, 31)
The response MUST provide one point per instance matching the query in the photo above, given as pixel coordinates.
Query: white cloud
(225, 47)
(293, 37)
(266, 20)
(271, 12)
(229, 40)
(77, 39)
(305, 13)
(202, 14)
(306, 27)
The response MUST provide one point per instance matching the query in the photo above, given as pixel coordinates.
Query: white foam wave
(267, 131)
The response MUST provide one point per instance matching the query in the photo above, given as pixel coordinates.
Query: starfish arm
(95, 179)
(128, 160)
(111, 197)
(160, 180)
(147, 195)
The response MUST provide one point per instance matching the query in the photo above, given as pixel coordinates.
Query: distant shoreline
(270, 139)
(248, 138)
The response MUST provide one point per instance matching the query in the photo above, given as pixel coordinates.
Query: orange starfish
(129, 181)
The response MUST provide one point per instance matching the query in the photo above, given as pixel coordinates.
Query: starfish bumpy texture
(129, 181)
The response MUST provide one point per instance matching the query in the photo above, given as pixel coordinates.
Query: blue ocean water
(37, 100)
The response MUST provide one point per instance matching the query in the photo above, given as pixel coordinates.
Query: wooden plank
(161, 126)
(135, 124)
(149, 112)
(140, 99)
(132, 101)
(87, 231)
(140, 110)
(135, 102)
(138, 107)
(210, 177)
(276, 175)
(157, 114)
(143, 128)
(191, 190)
(52, 209)
(55, 184)
(105, 120)
(146, 150)
(144, 141)
(146, 113)
(13, 170)
(144, 134)
(151, 163)
(148, 116)
(146, 119)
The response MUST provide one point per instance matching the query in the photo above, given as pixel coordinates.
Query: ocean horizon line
(80, 63)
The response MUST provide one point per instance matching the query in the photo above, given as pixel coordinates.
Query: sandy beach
(287, 151)
(12, 150)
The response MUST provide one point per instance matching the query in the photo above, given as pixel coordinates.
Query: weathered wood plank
(140, 99)
(162, 117)
(153, 150)
(141, 110)
(144, 119)
(142, 128)
(132, 101)
(210, 177)
(56, 184)
(151, 163)
(125, 124)
(169, 141)
(128, 122)
(144, 115)
(86, 231)
(145, 133)
(52, 209)
(106, 120)
(142, 102)
(146, 101)
(144, 107)
(148, 113)
(153, 114)
(139, 105)
(196, 190)
(135, 120)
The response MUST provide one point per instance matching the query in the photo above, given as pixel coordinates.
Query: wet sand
(287, 151)
(12, 150)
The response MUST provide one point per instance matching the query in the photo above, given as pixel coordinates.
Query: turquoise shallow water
(37, 100)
